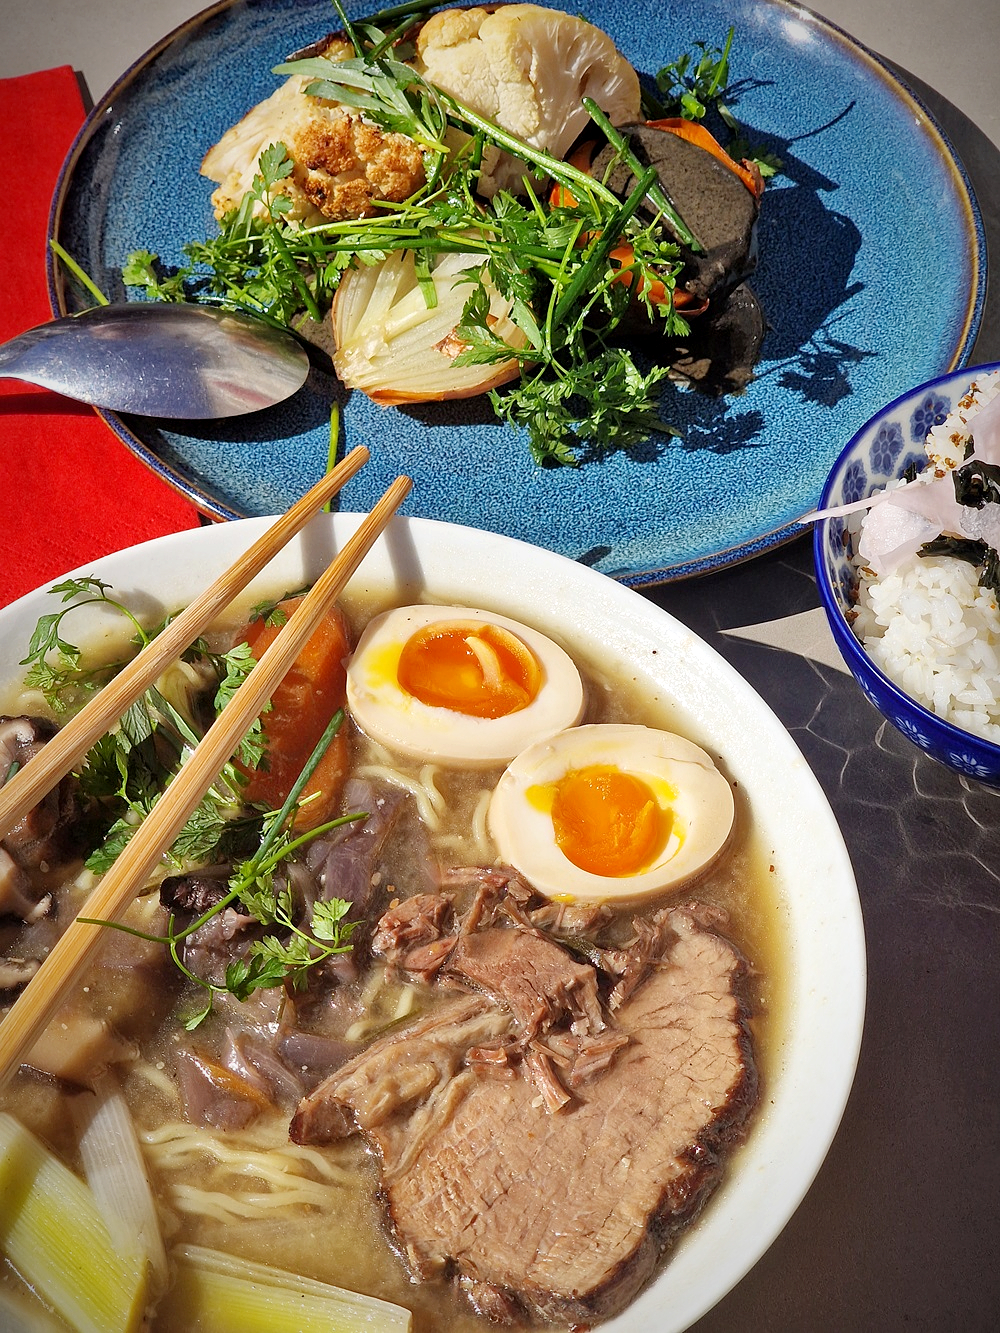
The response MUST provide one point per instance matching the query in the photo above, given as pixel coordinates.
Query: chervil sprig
(55, 665)
(124, 773)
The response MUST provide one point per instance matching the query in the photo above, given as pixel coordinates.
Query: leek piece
(19, 1315)
(218, 1293)
(115, 1170)
(53, 1235)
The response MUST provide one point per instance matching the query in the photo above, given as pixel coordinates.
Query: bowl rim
(807, 1091)
(961, 373)
(853, 650)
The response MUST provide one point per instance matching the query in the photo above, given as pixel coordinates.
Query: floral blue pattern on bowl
(874, 457)
(930, 411)
(887, 447)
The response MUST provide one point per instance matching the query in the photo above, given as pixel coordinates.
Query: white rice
(929, 625)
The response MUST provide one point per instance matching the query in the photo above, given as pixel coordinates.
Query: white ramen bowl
(810, 1074)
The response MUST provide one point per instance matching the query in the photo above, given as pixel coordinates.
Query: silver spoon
(160, 360)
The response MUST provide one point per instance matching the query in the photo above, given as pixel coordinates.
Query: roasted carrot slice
(622, 256)
(301, 708)
(561, 196)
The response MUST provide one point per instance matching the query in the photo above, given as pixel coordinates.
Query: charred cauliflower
(341, 163)
(527, 69)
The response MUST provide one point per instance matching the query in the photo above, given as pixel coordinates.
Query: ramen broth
(316, 1211)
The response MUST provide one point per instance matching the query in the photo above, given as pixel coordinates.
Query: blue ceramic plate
(871, 202)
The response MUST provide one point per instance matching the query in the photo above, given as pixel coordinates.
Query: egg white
(680, 774)
(390, 714)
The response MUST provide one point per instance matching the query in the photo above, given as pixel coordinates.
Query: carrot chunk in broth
(301, 707)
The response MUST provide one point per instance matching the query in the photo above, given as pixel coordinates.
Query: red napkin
(69, 489)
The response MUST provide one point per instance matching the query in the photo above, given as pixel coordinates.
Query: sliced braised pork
(543, 1186)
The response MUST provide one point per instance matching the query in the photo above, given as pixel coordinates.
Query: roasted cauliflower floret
(527, 69)
(342, 164)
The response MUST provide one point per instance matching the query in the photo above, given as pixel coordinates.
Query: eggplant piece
(722, 348)
(711, 198)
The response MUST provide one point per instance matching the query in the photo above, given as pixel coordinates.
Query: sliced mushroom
(18, 896)
(17, 972)
(47, 835)
(77, 1047)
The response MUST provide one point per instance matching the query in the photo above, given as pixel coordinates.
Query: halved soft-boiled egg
(460, 685)
(611, 811)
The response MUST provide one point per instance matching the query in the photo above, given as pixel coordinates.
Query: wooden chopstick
(73, 951)
(30, 783)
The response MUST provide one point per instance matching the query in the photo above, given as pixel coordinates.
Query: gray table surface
(901, 1229)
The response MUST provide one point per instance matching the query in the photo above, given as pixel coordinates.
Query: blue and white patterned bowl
(881, 451)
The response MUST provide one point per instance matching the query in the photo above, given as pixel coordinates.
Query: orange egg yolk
(608, 822)
(481, 671)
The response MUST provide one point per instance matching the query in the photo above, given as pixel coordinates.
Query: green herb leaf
(696, 80)
(54, 663)
(695, 84)
(328, 922)
(238, 662)
(115, 841)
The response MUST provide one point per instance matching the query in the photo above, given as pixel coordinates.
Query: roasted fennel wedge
(396, 332)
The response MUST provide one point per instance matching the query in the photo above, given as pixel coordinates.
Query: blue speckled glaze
(872, 199)
(862, 468)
